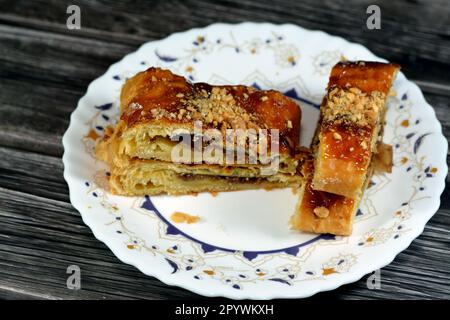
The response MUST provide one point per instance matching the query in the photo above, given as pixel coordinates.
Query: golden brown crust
(352, 115)
(322, 212)
(367, 76)
(159, 95)
(338, 171)
(157, 103)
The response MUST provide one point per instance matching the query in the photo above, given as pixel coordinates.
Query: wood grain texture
(45, 69)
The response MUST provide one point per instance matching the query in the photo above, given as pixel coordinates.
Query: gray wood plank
(419, 42)
(37, 251)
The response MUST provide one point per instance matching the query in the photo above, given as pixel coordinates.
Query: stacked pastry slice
(176, 137)
(347, 141)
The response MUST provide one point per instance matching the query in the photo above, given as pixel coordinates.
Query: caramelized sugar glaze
(367, 76)
(351, 121)
(349, 146)
(314, 198)
(157, 94)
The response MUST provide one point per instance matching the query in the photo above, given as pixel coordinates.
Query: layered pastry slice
(351, 122)
(347, 147)
(176, 137)
(320, 211)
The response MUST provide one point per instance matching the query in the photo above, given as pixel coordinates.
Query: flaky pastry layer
(156, 105)
(351, 123)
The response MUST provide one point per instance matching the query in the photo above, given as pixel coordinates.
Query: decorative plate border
(340, 268)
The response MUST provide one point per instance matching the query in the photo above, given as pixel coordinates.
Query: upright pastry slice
(351, 121)
(166, 122)
(345, 147)
(320, 211)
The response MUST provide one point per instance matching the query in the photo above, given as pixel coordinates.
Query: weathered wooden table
(45, 68)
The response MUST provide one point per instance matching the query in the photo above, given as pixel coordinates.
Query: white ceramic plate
(243, 247)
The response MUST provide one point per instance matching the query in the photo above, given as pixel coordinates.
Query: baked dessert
(166, 122)
(176, 137)
(346, 149)
(322, 212)
(351, 123)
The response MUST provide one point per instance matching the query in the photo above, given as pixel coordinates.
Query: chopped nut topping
(337, 136)
(289, 124)
(217, 107)
(355, 90)
(364, 145)
(134, 106)
(321, 212)
(221, 107)
(159, 113)
(353, 106)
